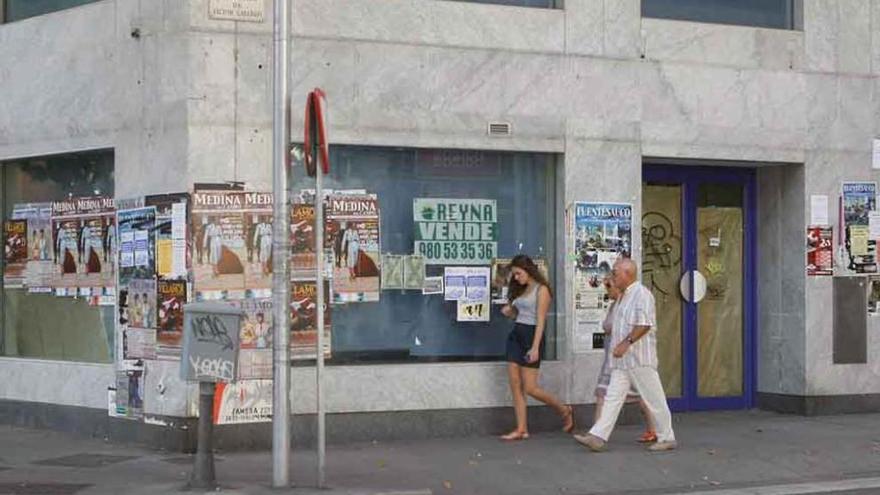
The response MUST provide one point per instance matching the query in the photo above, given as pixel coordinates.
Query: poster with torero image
(40, 268)
(258, 243)
(140, 337)
(352, 236)
(170, 299)
(219, 247)
(303, 258)
(304, 319)
(84, 239)
(255, 337)
(37, 270)
(256, 325)
(15, 252)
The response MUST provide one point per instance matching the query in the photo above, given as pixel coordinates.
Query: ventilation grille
(500, 129)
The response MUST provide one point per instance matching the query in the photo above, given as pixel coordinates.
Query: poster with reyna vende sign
(456, 231)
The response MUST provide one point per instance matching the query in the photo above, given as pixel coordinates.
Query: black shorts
(519, 341)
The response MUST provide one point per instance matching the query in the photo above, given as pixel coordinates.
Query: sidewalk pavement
(723, 453)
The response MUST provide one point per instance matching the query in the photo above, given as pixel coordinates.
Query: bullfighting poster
(40, 268)
(243, 402)
(15, 253)
(820, 251)
(303, 258)
(256, 326)
(255, 337)
(258, 228)
(170, 298)
(304, 319)
(352, 235)
(219, 243)
(140, 315)
(84, 239)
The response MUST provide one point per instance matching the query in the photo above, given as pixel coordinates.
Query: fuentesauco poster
(859, 200)
(601, 232)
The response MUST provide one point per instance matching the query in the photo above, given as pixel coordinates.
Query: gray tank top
(527, 307)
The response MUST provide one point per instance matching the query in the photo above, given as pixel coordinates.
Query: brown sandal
(515, 436)
(568, 420)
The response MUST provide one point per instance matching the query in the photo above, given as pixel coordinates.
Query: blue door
(698, 257)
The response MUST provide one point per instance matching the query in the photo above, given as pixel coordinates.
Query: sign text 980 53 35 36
(456, 231)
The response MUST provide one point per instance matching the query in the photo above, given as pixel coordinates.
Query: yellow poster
(858, 238)
(164, 257)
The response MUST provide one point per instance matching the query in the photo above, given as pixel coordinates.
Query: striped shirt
(635, 308)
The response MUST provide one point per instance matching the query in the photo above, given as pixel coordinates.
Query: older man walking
(634, 362)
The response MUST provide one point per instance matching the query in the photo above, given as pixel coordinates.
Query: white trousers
(647, 382)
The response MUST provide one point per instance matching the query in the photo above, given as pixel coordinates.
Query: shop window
(16, 10)
(777, 14)
(514, 192)
(545, 4)
(37, 323)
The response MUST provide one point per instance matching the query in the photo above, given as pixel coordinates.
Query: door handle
(699, 286)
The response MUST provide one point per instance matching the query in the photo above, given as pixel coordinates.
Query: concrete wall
(190, 101)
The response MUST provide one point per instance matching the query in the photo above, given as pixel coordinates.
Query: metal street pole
(280, 242)
(319, 367)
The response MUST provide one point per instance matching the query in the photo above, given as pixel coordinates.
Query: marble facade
(187, 99)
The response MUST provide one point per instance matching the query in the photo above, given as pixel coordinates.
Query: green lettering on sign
(456, 231)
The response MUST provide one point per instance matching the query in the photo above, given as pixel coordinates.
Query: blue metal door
(698, 258)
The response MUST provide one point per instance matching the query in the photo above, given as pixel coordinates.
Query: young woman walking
(529, 298)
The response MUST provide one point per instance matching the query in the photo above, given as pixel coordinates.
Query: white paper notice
(178, 221)
(875, 163)
(818, 210)
(178, 258)
(587, 323)
(178, 240)
(455, 283)
(874, 225)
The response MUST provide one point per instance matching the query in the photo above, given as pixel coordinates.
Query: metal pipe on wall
(319, 363)
(280, 242)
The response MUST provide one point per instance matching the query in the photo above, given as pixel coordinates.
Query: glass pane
(22, 9)
(546, 4)
(720, 314)
(661, 272)
(407, 325)
(760, 13)
(42, 325)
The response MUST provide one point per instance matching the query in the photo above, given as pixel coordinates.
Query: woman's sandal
(568, 420)
(515, 436)
(649, 436)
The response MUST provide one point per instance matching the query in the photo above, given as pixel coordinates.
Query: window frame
(4, 163)
(555, 4)
(4, 9)
(794, 18)
(555, 330)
